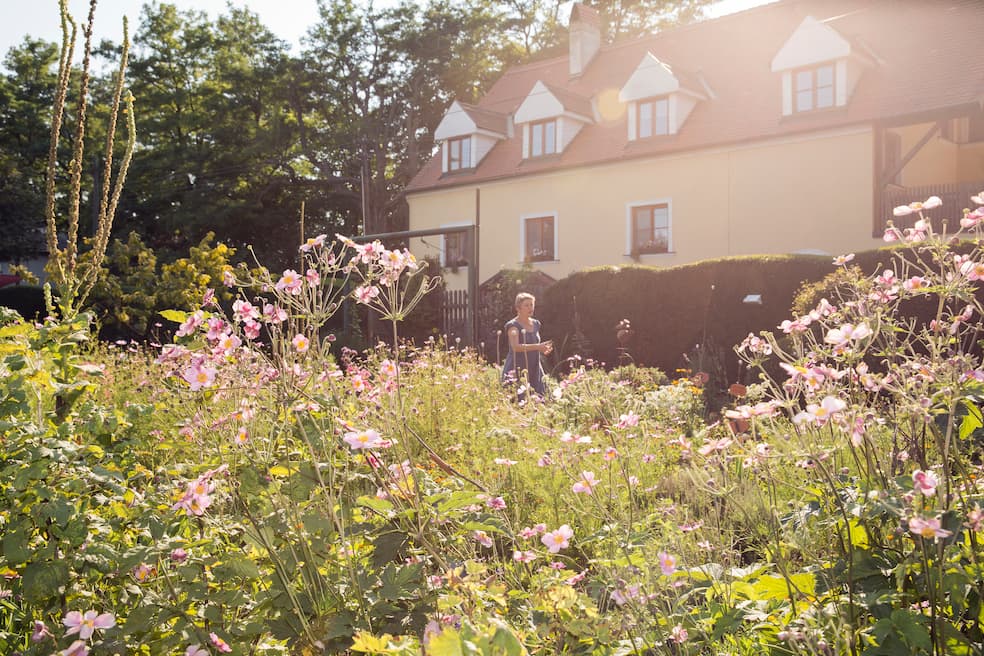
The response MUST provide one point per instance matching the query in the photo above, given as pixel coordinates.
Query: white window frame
(543, 143)
(464, 162)
(655, 101)
(522, 235)
(629, 232)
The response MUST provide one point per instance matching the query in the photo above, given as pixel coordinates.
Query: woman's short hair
(524, 296)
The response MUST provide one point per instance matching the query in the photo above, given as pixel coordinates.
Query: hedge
(684, 317)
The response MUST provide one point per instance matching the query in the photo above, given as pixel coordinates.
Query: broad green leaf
(487, 526)
(400, 582)
(381, 506)
(140, 619)
(506, 640)
(44, 581)
(339, 625)
(455, 501)
(367, 643)
(445, 643)
(858, 535)
(15, 547)
(177, 316)
(94, 369)
(911, 627)
(973, 420)
(59, 510)
(237, 566)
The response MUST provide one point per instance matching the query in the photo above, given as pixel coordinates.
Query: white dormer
(819, 68)
(551, 118)
(658, 101)
(468, 134)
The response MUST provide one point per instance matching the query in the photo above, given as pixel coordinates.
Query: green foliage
(132, 290)
(26, 96)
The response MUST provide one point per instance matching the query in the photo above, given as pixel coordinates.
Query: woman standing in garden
(523, 359)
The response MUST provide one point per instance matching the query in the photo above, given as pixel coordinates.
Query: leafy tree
(216, 147)
(633, 18)
(26, 96)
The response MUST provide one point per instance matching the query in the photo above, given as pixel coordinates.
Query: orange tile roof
(486, 119)
(929, 59)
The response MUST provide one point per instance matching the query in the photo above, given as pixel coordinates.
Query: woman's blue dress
(524, 367)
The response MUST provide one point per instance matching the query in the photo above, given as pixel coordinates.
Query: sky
(288, 19)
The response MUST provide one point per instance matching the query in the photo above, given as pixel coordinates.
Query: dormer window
(543, 138)
(468, 134)
(815, 88)
(819, 68)
(654, 117)
(660, 99)
(550, 118)
(459, 153)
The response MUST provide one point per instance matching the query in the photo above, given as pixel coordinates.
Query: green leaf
(445, 643)
(489, 526)
(456, 500)
(59, 511)
(858, 534)
(44, 581)
(911, 627)
(339, 625)
(15, 547)
(140, 619)
(234, 566)
(381, 506)
(973, 420)
(506, 641)
(177, 316)
(400, 582)
(94, 369)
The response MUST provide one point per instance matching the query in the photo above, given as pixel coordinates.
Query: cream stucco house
(791, 127)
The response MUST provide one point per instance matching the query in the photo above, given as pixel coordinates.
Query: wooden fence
(455, 313)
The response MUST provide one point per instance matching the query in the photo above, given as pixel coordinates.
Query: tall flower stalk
(73, 279)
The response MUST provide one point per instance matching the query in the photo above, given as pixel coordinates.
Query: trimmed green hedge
(684, 317)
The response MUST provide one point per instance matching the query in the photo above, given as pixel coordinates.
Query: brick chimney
(585, 37)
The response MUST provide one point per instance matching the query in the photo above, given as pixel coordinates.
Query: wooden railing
(955, 197)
